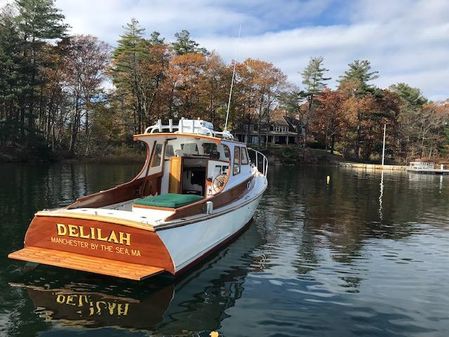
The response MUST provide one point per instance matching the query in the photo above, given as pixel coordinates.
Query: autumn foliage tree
(329, 121)
(84, 62)
(186, 72)
(354, 84)
(69, 95)
(259, 85)
(314, 80)
(138, 67)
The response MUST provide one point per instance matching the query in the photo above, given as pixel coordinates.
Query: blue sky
(405, 40)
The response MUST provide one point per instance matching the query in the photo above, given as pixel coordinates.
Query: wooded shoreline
(73, 96)
(278, 155)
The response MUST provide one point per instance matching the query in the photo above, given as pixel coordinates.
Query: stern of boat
(97, 246)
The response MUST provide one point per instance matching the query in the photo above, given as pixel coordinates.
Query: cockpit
(190, 166)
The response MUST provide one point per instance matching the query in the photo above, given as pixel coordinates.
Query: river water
(330, 252)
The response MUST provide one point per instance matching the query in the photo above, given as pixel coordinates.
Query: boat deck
(122, 213)
(144, 218)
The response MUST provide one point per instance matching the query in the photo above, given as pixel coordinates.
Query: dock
(372, 167)
(415, 167)
(427, 168)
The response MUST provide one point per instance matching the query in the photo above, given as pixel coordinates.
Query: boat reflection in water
(195, 302)
(75, 305)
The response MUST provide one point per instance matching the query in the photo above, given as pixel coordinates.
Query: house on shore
(281, 130)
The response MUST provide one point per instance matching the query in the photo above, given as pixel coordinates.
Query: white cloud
(406, 41)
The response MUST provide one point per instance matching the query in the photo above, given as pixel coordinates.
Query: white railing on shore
(189, 126)
(263, 160)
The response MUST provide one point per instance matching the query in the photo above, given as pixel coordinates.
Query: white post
(383, 146)
(230, 95)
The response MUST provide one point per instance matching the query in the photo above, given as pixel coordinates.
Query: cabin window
(190, 149)
(236, 160)
(211, 150)
(244, 156)
(227, 153)
(157, 156)
(169, 151)
(209, 147)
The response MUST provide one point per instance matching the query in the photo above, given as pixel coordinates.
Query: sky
(405, 40)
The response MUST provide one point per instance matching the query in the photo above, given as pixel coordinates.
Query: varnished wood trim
(232, 194)
(150, 161)
(233, 141)
(147, 161)
(182, 222)
(95, 238)
(175, 175)
(120, 193)
(85, 263)
(107, 219)
(219, 200)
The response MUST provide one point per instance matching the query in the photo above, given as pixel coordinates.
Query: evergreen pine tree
(357, 77)
(412, 97)
(127, 71)
(37, 21)
(10, 82)
(156, 39)
(185, 45)
(313, 76)
(137, 70)
(314, 80)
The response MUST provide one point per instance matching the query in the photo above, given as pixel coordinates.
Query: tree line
(351, 118)
(78, 96)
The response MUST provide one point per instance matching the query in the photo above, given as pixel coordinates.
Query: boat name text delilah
(93, 233)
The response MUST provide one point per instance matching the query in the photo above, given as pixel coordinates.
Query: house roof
(293, 122)
(280, 121)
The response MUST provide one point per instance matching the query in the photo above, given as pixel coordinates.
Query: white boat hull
(187, 244)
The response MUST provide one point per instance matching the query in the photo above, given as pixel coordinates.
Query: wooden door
(174, 182)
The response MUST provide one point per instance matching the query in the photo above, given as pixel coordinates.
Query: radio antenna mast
(232, 86)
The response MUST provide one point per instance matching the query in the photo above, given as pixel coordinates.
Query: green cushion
(170, 200)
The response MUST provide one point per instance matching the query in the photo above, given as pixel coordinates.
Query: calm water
(320, 259)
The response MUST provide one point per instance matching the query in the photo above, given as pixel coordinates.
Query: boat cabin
(188, 165)
(193, 165)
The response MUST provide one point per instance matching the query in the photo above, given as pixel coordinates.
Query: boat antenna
(232, 86)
